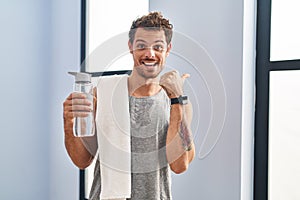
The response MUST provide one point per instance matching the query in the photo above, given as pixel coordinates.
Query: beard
(148, 72)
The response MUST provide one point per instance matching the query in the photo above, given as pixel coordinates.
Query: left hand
(172, 83)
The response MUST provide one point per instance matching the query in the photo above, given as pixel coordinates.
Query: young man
(160, 115)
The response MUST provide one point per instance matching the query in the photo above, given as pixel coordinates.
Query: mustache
(149, 59)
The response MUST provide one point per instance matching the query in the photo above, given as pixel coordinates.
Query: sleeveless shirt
(150, 172)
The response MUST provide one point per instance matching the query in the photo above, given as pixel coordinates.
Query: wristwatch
(182, 99)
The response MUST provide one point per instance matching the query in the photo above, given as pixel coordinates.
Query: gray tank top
(150, 172)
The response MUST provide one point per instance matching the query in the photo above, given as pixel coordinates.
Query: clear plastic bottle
(84, 126)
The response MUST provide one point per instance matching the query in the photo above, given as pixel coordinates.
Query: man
(155, 122)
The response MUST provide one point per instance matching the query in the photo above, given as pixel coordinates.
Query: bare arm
(180, 147)
(80, 150)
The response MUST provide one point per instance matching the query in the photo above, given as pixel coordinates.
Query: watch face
(184, 100)
(180, 100)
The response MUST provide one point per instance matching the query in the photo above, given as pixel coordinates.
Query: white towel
(113, 132)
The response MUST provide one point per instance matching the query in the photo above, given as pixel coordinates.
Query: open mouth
(149, 63)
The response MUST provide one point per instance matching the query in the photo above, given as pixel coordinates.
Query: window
(277, 88)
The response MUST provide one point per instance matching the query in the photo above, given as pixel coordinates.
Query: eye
(140, 46)
(158, 47)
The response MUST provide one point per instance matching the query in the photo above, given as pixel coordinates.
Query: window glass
(107, 26)
(284, 135)
(285, 30)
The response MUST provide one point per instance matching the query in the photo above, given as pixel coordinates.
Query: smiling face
(149, 50)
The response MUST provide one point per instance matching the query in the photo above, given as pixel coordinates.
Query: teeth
(149, 64)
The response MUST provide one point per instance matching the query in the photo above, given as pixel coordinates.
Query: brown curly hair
(152, 21)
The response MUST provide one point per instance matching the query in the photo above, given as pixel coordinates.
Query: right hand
(172, 83)
(75, 105)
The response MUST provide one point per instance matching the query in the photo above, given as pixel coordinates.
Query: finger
(81, 102)
(184, 76)
(71, 115)
(77, 95)
(76, 111)
(81, 114)
(79, 108)
(73, 104)
(77, 105)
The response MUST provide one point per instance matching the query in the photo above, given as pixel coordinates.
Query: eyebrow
(159, 41)
(141, 40)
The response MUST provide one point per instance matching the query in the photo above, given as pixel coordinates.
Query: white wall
(39, 44)
(25, 52)
(64, 176)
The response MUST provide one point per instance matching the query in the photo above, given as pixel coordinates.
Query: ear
(130, 46)
(169, 49)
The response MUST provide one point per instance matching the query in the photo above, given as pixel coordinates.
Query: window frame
(263, 68)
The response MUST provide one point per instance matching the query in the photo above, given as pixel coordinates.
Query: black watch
(182, 99)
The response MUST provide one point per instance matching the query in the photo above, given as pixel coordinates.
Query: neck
(138, 86)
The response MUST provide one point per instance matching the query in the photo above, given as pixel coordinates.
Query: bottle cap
(81, 76)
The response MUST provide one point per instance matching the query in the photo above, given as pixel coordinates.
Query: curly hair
(152, 21)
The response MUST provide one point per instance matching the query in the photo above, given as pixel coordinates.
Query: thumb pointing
(184, 76)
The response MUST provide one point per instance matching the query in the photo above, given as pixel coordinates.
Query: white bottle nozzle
(81, 76)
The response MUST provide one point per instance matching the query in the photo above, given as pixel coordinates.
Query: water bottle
(84, 126)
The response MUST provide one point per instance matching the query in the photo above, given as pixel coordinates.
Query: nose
(149, 52)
